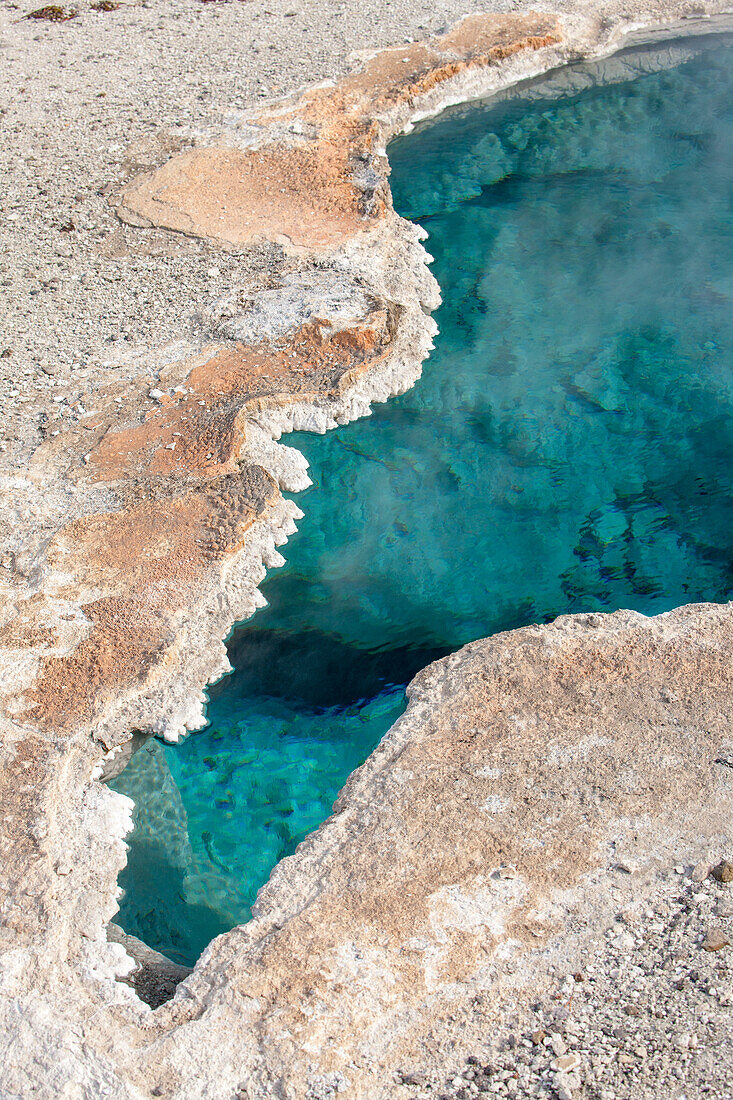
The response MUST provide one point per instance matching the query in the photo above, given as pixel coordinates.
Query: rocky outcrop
(486, 829)
(536, 784)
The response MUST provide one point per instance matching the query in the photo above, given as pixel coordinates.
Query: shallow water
(569, 448)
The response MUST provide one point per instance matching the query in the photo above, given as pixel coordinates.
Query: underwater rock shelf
(144, 534)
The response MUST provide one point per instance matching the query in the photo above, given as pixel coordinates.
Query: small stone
(701, 871)
(156, 394)
(723, 871)
(715, 940)
(63, 868)
(412, 1078)
(507, 871)
(558, 1044)
(562, 1088)
(567, 1063)
(538, 1036)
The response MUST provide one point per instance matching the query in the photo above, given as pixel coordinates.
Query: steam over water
(569, 448)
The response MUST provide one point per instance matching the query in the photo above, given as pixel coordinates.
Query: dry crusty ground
(648, 1015)
(75, 95)
(77, 286)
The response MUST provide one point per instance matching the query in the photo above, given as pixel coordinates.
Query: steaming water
(569, 448)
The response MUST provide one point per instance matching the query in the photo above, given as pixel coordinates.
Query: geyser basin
(569, 448)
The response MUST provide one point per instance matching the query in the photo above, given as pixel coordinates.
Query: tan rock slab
(314, 192)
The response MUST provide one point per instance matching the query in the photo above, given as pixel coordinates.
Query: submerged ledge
(172, 508)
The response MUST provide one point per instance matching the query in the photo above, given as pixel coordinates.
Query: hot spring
(569, 448)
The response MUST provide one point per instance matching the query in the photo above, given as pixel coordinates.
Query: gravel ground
(78, 288)
(648, 1015)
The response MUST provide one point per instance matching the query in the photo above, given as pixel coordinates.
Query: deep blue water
(569, 448)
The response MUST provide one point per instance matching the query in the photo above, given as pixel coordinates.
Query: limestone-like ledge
(483, 831)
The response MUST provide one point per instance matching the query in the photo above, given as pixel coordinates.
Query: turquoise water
(569, 448)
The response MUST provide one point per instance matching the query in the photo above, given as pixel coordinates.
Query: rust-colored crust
(239, 196)
(146, 559)
(200, 430)
(181, 502)
(186, 504)
(302, 183)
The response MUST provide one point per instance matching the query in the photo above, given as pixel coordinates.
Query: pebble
(567, 1063)
(563, 1090)
(701, 871)
(559, 1047)
(723, 871)
(715, 940)
(640, 1021)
